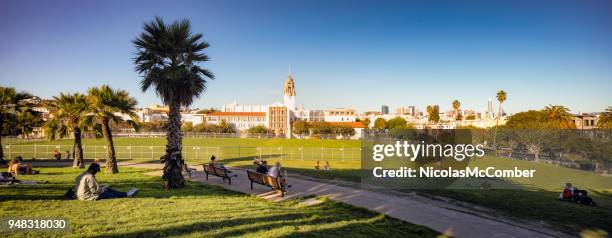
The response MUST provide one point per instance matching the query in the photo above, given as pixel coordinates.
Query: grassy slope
(196, 211)
(536, 200)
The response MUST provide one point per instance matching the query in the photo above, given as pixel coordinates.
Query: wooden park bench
(216, 171)
(266, 180)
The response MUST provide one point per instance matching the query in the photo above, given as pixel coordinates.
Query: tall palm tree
(67, 114)
(10, 102)
(501, 98)
(456, 106)
(559, 116)
(605, 118)
(167, 57)
(107, 106)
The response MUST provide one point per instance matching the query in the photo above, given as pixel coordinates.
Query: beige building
(585, 121)
(340, 115)
(278, 119)
(240, 120)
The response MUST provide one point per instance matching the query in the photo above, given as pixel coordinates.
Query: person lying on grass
(88, 189)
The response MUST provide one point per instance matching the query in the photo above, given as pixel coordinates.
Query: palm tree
(107, 106)
(501, 98)
(456, 106)
(10, 102)
(67, 114)
(167, 58)
(559, 116)
(26, 119)
(605, 118)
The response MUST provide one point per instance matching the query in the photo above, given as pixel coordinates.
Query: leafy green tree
(187, 127)
(167, 56)
(396, 122)
(605, 119)
(105, 106)
(321, 128)
(152, 126)
(10, 102)
(380, 124)
(343, 130)
(259, 129)
(366, 122)
(434, 113)
(67, 116)
(226, 127)
(528, 119)
(300, 127)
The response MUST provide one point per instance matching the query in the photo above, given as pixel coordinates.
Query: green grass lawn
(536, 199)
(195, 211)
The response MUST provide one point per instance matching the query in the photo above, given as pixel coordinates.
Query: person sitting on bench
(88, 189)
(276, 172)
(262, 168)
(213, 163)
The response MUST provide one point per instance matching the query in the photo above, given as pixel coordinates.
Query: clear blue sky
(359, 54)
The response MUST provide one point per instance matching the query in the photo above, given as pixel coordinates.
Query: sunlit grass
(195, 211)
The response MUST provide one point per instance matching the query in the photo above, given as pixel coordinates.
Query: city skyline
(413, 53)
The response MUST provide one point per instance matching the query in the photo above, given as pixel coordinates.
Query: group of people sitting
(58, 155)
(573, 194)
(276, 171)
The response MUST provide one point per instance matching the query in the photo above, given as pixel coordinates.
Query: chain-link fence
(190, 153)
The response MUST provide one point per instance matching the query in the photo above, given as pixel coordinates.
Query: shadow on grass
(268, 222)
(329, 219)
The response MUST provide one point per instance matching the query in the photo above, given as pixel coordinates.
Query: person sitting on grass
(17, 166)
(263, 167)
(317, 165)
(277, 172)
(88, 189)
(568, 192)
(326, 166)
(57, 155)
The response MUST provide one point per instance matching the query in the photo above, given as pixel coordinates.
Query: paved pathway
(441, 216)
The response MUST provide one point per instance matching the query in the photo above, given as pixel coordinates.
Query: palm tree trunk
(78, 149)
(496, 124)
(111, 161)
(173, 159)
